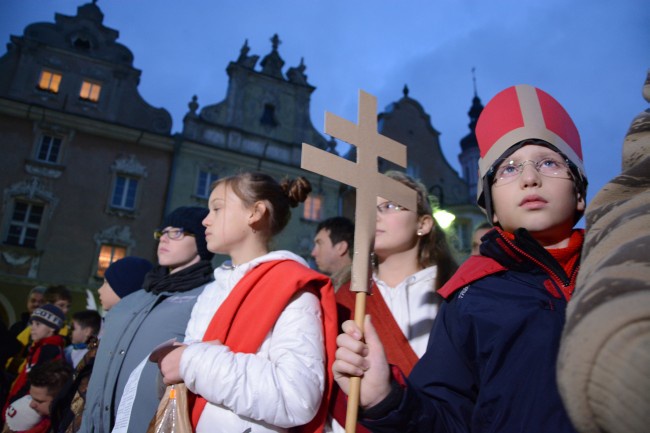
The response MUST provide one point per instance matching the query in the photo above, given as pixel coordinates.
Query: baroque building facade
(83, 154)
(89, 168)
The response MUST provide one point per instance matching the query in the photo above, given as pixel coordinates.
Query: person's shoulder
(473, 269)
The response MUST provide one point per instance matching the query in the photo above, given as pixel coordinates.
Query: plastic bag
(172, 415)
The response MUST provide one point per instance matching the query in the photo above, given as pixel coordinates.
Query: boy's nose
(529, 175)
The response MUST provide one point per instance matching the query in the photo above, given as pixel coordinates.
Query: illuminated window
(204, 182)
(48, 149)
(25, 224)
(90, 91)
(124, 192)
(313, 208)
(107, 255)
(49, 81)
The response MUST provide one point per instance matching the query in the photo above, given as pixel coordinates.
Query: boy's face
(80, 333)
(64, 305)
(107, 296)
(543, 205)
(41, 400)
(35, 300)
(40, 330)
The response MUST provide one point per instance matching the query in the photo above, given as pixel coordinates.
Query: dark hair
(341, 229)
(252, 187)
(57, 293)
(483, 226)
(53, 375)
(433, 248)
(89, 319)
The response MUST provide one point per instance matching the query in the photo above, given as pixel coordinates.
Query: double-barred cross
(362, 175)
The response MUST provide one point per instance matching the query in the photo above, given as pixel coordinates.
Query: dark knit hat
(126, 275)
(189, 219)
(50, 315)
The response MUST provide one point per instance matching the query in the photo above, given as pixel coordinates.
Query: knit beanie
(521, 113)
(50, 315)
(126, 275)
(189, 219)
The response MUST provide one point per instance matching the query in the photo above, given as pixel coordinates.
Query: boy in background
(47, 345)
(85, 325)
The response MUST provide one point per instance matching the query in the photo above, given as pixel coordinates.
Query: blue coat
(491, 361)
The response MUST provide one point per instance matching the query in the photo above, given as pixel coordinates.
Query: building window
(49, 81)
(204, 182)
(25, 224)
(90, 91)
(107, 255)
(268, 116)
(313, 208)
(48, 149)
(124, 192)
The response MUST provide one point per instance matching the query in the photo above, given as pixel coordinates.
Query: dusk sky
(591, 55)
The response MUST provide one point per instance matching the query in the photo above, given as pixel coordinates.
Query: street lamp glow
(444, 218)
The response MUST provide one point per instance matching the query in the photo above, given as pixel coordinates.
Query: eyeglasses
(389, 207)
(173, 234)
(549, 167)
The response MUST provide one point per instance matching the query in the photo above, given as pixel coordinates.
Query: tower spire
(474, 79)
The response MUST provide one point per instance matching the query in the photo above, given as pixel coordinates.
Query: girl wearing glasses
(261, 340)
(412, 260)
(146, 318)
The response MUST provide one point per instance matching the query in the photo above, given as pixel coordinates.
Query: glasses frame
(388, 207)
(565, 165)
(181, 233)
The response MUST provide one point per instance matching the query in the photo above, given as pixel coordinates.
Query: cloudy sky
(592, 55)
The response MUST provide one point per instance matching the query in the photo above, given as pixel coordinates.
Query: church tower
(469, 154)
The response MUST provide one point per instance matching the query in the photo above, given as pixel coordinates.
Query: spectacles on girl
(173, 234)
(389, 207)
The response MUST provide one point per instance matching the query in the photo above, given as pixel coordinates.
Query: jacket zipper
(548, 270)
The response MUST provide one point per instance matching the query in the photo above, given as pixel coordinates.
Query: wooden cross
(365, 177)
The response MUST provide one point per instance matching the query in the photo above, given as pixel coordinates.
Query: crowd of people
(264, 343)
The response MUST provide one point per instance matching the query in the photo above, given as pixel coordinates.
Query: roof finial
(474, 79)
(405, 90)
(275, 40)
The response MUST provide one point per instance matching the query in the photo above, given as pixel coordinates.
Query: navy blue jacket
(491, 361)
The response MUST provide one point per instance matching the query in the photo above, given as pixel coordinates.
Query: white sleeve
(283, 387)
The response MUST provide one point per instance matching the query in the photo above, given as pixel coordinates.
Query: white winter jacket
(279, 387)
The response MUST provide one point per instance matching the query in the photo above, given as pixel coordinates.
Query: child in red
(47, 345)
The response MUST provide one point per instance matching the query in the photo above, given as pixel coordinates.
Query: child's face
(397, 230)
(177, 254)
(64, 305)
(80, 333)
(544, 205)
(39, 330)
(227, 225)
(41, 400)
(107, 296)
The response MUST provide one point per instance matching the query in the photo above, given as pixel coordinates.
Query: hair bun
(296, 190)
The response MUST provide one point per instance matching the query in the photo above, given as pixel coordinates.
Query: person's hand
(170, 365)
(354, 358)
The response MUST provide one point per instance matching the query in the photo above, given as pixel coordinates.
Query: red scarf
(259, 298)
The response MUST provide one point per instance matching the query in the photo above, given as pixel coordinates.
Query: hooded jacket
(491, 361)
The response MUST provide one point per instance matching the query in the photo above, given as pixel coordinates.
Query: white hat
(20, 416)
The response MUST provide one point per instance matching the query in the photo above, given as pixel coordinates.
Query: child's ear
(257, 212)
(580, 205)
(425, 225)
